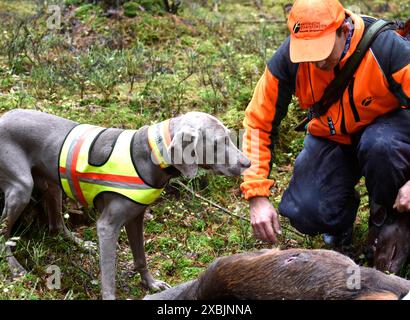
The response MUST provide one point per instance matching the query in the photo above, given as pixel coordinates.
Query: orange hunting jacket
(367, 97)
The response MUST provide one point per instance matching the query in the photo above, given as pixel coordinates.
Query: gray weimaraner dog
(31, 143)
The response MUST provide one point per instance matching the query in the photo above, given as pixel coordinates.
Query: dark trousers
(321, 197)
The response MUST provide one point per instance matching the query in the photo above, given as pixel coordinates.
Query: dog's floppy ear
(183, 151)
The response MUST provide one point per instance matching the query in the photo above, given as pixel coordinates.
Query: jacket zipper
(351, 101)
(342, 123)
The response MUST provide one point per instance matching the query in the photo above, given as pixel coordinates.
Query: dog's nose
(245, 162)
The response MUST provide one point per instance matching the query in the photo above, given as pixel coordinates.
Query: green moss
(199, 225)
(73, 2)
(153, 227)
(206, 47)
(191, 273)
(183, 263)
(131, 9)
(86, 10)
(218, 243)
(205, 258)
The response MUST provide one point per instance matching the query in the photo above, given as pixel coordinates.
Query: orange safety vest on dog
(82, 181)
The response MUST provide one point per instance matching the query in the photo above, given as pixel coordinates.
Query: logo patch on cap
(296, 27)
(308, 27)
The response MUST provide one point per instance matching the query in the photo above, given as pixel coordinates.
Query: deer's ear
(183, 151)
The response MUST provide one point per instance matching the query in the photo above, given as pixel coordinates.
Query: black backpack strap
(402, 28)
(397, 90)
(338, 85)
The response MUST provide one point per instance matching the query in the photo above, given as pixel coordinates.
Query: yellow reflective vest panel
(82, 181)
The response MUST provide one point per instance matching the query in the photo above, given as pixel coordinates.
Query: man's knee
(384, 158)
(315, 216)
(376, 143)
(386, 140)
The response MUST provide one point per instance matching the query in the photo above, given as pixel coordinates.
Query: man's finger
(276, 224)
(259, 232)
(397, 206)
(396, 203)
(270, 234)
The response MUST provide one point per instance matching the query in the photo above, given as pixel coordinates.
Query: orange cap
(313, 25)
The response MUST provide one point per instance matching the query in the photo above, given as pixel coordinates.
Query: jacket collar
(358, 25)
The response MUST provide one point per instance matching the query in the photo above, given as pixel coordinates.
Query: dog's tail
(184, 291)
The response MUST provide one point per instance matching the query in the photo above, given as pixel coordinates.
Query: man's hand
(264, 219)
(402, 203)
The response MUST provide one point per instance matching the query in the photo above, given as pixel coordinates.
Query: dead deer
(389, 239)
(288, 274)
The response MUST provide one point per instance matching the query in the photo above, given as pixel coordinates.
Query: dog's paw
(151, 283)
(157, 285)
(15, 267)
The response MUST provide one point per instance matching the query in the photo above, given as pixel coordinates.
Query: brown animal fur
(288, 274)
(378, 296)
(389, 239)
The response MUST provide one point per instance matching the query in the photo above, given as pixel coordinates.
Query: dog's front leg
(108, 229)
(135, 233)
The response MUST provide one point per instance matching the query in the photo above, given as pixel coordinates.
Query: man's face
(331, 61)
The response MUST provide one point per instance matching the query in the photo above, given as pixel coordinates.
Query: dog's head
(201, 140)
(389, 235)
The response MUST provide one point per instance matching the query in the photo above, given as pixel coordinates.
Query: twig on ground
(226, 210)
(83, 270)
(210, 201)
(75, 211)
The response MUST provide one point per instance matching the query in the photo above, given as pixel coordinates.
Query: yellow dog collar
(159, 139)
